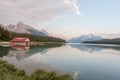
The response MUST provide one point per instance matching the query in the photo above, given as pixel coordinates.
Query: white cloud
(74, 5)
(12, 11)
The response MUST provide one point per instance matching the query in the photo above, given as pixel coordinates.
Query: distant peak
(44, 31)
(20, 23)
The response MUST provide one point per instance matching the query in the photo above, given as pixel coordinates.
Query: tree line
(6, 35)
(105, 41)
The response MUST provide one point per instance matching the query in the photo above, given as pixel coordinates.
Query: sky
(64, 18)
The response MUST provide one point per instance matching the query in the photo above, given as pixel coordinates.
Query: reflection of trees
(4, 51)
(21, 54)
(112, 47)
(93, 48)
(42, 48)
(29, 60)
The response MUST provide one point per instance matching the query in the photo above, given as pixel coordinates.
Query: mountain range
(84, 38)
(20, 27)
(24, 28)
(105, 41)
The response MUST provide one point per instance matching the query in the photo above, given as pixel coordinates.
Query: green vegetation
(9, 72)
(106, 41)
(0, 41)
(4, 51)
(6, 35)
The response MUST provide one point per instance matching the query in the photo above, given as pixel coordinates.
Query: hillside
(6, 35)
(105, 41)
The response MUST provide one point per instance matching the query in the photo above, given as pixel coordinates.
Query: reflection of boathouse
(20, 42)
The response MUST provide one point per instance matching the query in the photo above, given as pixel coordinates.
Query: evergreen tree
(6, 35)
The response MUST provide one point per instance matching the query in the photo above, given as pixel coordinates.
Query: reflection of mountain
(21, 54)
(88, 48)
(35, 50)
(24, 59)
(92, 48)
(29, 60)
(42, 48)
(18, 54)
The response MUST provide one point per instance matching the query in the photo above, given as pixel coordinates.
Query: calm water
(91, 62)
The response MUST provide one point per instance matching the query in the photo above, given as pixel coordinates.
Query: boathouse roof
(19, 39)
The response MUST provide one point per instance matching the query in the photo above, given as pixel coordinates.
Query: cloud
(74, 4)
(12, 11)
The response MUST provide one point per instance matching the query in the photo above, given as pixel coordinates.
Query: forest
(6, 35)
(105, 41)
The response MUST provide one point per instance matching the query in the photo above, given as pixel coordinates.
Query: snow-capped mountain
(44, 31)
(23, 28)
(83, 38)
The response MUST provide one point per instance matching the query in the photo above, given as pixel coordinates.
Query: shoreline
(4, 43)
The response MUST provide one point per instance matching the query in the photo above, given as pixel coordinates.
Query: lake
(89, 62)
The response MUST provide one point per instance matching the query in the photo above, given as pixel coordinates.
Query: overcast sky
(65, 18)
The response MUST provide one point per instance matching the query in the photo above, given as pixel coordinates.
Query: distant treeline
(6, 35)
(105, 41)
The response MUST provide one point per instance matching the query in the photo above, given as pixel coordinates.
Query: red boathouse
(20, 41)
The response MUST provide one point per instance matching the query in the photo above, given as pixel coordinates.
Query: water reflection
(19, 55)
(21, 52)
(94, 48)
(4, 51)
(20, 47)
(88, 48)
(29, 59)
(102, 64)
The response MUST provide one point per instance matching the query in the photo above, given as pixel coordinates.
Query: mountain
(23, 28)
(105, 41)
(44, 31)
(84, 38)
(6, 35)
